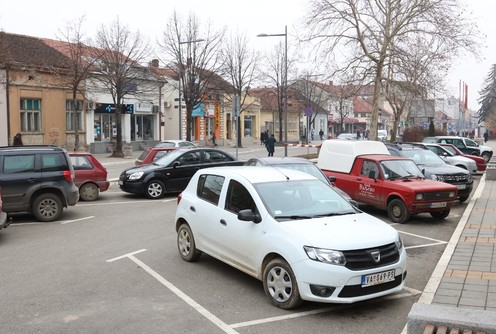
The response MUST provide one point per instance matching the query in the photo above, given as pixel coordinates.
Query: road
(112, 266)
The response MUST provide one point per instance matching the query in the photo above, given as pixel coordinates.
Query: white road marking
(427, 245)
(21, 224)
(200, 309)
(124, 202)
(76, 220)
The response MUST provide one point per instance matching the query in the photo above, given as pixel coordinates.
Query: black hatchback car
(38, 179)
(172, 172)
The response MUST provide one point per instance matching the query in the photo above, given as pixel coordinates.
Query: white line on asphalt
(21, 224)
(427, 245)
(312, 312)
(75, 220)
(126, 255)
(423, 237)
(117, 203)
(200, 309)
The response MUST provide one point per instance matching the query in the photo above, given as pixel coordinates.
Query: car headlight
(437, 177)
(469, 177)
(325, 255)
(135, 176)
(419, 197)
(451, 194)
(399, 243)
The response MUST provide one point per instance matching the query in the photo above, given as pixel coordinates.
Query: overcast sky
(45, 18)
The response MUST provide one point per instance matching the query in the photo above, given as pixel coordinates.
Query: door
(181, 170)
(370, 184)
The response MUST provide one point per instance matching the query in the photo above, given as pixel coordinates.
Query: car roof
(73, 153)
(258, 175)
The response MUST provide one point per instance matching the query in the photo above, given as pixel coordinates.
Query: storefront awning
(198, 110)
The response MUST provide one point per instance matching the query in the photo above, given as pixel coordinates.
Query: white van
(382, 135)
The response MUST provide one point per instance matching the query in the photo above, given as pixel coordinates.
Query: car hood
(143, 168)
(354, 231)
(443, 169)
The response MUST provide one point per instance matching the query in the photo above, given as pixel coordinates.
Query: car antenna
(280, 171)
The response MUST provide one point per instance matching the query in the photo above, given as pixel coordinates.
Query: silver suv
(37, 180)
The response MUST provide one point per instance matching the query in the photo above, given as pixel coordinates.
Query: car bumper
(431, 206)
(131, 187)
(346, 283)
(72, 196)
(103, 185)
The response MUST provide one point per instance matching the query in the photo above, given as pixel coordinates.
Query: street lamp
(180, 77)
(285, 84)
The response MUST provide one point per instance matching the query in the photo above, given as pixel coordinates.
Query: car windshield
(167, 159)
(302, 199)
(396, 169)
(308, 168)
(166, 144)
(424, 157)
(451, 150)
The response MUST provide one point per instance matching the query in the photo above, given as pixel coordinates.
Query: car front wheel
(280, 285)
(47, 207)
(186, 244)
(397, 211)
(88, 192)
(155, 189)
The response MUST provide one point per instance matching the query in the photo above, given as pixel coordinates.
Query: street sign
(107, 108)
(235, 105)
(308, 111)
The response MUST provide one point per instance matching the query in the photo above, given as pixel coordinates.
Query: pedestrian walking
(486, 136)
(18, 140)
(263, 138)
(358, 134)
(271, 141)
(321, 134)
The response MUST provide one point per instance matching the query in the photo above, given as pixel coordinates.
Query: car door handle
(223, 222)
(31, 180)
(359, 179)
(192, 208)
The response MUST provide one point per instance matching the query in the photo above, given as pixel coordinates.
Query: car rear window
(209, 187)
(53, 162)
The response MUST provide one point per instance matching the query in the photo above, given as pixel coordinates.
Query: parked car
(450, 158)
(291, 231)
(37, 179)
(3, 215)
(347, 136)
(480, 161)
(303, 165)
(172, 172)
(435, 168)
(382, 135)
(466, 145)
(175, 143)
(151, 154)
(90, 175)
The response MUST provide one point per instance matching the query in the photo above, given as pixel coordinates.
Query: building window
(30, 115)
(69, 115)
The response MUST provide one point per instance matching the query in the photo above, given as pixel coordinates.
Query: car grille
(455, 177)
(363, 258)
(437, 195)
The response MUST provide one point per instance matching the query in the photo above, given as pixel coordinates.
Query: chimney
(154, 63)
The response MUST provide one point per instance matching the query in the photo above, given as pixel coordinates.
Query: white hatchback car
(293, 232)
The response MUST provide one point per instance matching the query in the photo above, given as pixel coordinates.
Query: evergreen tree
(432, 129)
(487, 98)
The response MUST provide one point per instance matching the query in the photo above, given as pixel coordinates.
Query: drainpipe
(7, 100)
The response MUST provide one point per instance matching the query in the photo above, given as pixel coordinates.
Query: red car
(150, 154)
(481, 163)
(90, 175)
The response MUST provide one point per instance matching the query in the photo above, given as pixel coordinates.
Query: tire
(462, 198)
(88, 192)
(486, 156)
(397, 211)
(155, 189)
(440, 214)
(186, 244)
(47, 207)
(280, 285)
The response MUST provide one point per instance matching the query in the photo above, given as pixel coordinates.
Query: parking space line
(75, 220)
(422, 237)
(427, 245)
(200, 309)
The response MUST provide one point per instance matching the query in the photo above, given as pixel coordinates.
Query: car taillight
(179, 198)
(68, 176)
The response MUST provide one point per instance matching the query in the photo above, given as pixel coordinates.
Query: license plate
(461, 186)
(437, 205)
(120, 182)
(379, 278)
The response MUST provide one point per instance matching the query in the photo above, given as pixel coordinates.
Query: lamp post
(180, 77)
(285, 84)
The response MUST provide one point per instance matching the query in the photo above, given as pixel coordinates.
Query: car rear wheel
(440, 214)
(186, 244)
(155, 189)
(88, 192)
(280, 285)
(47, 207)
(397, 211)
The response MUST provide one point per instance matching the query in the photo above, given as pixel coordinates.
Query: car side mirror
(249, 216)
(176, 163)
(331, 179)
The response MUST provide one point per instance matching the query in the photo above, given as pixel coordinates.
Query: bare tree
(118, 54)
(368, 32)
(240, 69)
(197, 68)
(80, 66)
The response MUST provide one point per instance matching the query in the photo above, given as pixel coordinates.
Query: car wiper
(330, 214)
(293, 217)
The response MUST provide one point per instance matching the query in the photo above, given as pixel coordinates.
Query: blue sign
(308, 111)
(108, 108)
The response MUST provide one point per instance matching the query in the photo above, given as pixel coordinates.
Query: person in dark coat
(271, 141)
(17, 140)
(486, 136)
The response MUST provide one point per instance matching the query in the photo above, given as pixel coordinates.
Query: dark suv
(37, 179)
(435, 168)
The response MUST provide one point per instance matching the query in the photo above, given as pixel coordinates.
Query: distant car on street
(151, 154)
(175, 143)
(291, 231)
(452, 159)
(347, 136)
(480, 161)
(382, 135)
(466, 145)
(172, 172)
(90, 175)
